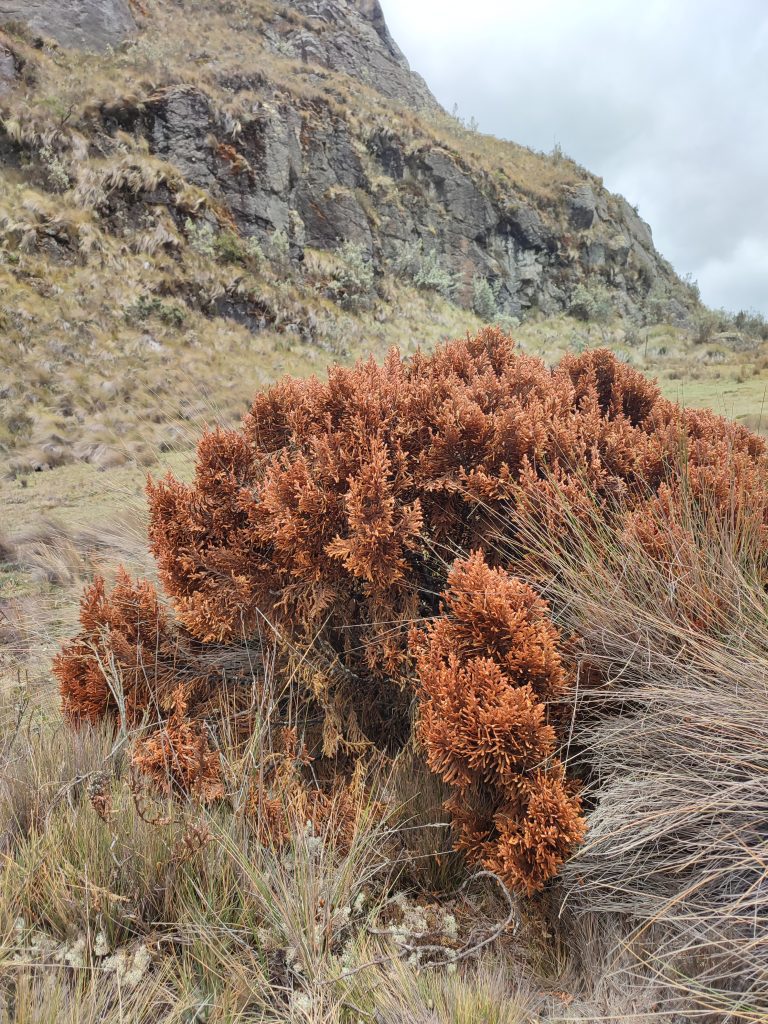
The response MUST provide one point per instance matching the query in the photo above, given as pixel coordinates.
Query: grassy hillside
(133, 308)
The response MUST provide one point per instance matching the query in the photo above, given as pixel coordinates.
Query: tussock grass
(490, 993)
(52, 997)
(117, 906)
(213, 923)
(668, 729)
(42, 569)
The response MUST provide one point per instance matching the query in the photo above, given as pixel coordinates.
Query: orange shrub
(333, 503)
(177, 757)
(487, 669)
(126, 657)
(129, 659)
(330, 518)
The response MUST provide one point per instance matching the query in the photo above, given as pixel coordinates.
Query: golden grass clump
(668, 724)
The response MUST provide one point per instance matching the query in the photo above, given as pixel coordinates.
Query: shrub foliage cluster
(488, 669)
(332, 520)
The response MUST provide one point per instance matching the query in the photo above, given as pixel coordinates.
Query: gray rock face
(526, 227)
(313, 179)
(582, 206)
(351, 36)
(323, 178)
(638, 229)
(82, 24)
(8, 70)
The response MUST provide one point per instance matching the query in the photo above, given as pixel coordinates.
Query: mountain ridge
(233, 191)
(307, 172)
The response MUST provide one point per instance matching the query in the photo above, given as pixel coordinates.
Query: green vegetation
(592, 304)
(424, 268)
(484, 300)
(353, 278)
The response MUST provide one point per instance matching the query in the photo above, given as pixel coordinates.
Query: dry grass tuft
(669, 724)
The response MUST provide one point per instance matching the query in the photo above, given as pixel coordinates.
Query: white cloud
(668, 102)
(735, 280)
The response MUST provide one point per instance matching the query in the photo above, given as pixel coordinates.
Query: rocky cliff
(305, 118)
(197, 195)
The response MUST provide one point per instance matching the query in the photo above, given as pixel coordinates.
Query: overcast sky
(667, 100)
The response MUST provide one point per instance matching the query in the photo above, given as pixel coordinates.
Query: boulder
(8, 70)
(582, 205)
(81, 24)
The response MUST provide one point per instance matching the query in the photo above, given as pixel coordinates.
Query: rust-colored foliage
(488, 666)
(330, 518)
(230, 155)
(329, 514)
(130, 660)
(125, 641)
(280, 798)
(178, 758)
(327, 507)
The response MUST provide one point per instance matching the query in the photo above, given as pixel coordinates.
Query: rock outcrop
(319, 129)
(324, 183)
(83, 24)
(352, 37)
(8, 69)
